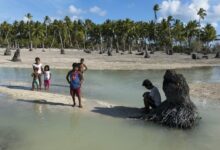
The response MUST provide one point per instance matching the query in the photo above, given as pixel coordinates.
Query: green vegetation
(169, 34)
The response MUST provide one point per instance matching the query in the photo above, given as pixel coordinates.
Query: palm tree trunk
(61, 42)
(54, 33)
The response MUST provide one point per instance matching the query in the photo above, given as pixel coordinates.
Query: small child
(35, 83)
(74, 78)
(47, 77)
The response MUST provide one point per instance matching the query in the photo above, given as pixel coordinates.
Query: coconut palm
(29, 19)
(47, 22)
(156, 8)
(201, 13)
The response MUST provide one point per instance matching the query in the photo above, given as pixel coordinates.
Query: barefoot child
(74, 78)
(82, 66)
(35, 83)
(39, 66)
(47, 77)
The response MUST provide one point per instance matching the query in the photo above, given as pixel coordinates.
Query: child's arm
(50, 76)
(86, 68)
(67, 77)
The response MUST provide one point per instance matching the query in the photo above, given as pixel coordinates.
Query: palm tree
(39, 34)
(201, 13)
(191, 31)
(29, 19)
(47, 22)
(208, 35)
(169, 20)
(156, 8)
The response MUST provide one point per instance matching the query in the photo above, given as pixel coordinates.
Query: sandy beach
(95, 61)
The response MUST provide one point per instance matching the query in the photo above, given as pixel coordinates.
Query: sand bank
(206, 91)
(96, 61)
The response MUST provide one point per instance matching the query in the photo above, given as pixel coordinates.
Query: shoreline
(95, 61)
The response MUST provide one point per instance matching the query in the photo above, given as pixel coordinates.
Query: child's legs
(46, 84)
(40, 81)
(32, 85)
(78, 94)
(72, 93)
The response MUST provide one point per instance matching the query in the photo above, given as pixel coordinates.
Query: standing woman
(39, 66)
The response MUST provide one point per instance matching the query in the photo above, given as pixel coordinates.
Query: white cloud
(97, 10)
(25, 19)
(187, 10)
(74, 10)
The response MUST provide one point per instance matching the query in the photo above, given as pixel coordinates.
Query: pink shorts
(46, 83)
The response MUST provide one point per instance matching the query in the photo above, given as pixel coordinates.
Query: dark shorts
(74, 92)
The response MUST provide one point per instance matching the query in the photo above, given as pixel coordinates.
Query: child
(47, 77)
(82, 67)
(35, 83)
(39, 66)
(74, 78)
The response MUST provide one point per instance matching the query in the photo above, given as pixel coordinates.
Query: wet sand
(95, 61)
(206, 91)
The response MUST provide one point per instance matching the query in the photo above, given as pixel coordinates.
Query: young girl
(35, 83)
(47, 77)
(74, 78)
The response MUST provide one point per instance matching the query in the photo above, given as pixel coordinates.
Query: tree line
(169, 34)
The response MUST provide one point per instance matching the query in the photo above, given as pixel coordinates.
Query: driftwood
(62, 51)
(140, 53)
(217, 55)
(195, 56)
(16, 56)
(177, 110)
(7, 52)
(146, 55)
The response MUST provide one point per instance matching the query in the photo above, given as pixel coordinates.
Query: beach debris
(177, 111)
(140, 53)
(217, 55)
(195, 56)
(205, 57)
(146, 55)
(7, 52)
(16, 56)
(62, 51)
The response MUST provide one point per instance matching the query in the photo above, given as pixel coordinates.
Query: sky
(100, 10)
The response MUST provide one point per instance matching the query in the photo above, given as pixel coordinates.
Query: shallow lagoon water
(26, 126)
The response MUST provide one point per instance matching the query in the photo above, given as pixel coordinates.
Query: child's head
(75, 67)
(47, 68)
(37, 60)
(82, 60)
(147, 84)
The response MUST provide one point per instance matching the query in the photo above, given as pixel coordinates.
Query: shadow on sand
(18, 87)
(120, 112)
(43, 102)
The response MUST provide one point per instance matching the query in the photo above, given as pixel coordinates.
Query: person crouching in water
(47, 77)
(152, 99)
(74, 78)
(35, 82)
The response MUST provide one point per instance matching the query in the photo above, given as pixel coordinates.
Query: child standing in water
(39, 66)
(82, 66)
(35, 82)
(74, 78)
(47, 77)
